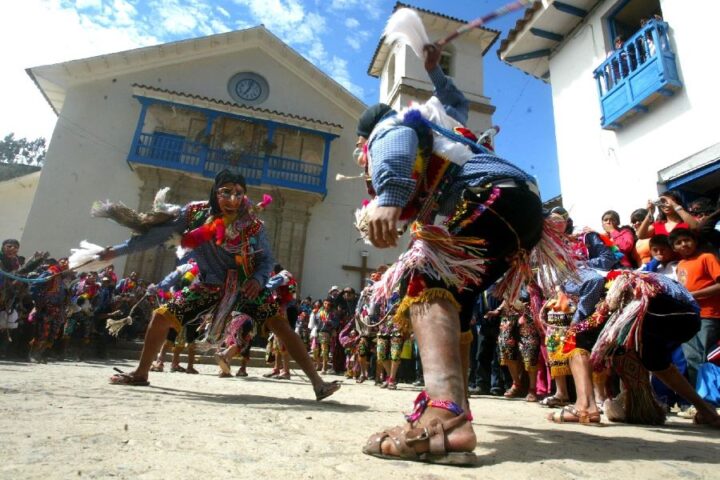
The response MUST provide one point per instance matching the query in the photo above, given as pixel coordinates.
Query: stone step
(130, 350)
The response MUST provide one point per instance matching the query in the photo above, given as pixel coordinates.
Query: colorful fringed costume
(643, 319)
(227, 252)
(51, 299)
(519, 339)
(423, 161)
(556, 317)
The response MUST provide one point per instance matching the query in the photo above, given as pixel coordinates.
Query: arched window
(446, 61)
(390, 79)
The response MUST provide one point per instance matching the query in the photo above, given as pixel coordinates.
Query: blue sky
(339, 36)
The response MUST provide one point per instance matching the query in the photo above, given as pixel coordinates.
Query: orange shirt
(642, 250)
(699, 272)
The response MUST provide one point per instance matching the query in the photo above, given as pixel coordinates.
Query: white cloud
(352, 23)
(61, 31)
(55, 34)
(353, 42)
(287, 19)
(374, 8)
(337, 68)
(88, 4)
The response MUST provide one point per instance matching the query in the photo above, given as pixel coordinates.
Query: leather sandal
(407, 440)
(554, 401)
(514, 391)
(570, 414)
(327, 389)
(222, 363)
(157, 367)
(122, 378)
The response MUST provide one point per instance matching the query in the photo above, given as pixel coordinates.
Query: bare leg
(363, 367)
(599, 387)
(582, 375)
(561, 390)
(394, 367)
(465, 362)
(296, 349)
(532, 379)
(191, 357)
(316, 356)
(177, 350)
(673, 379)
(436, 327)
(516, 372)
(387, 368)
(154, 337)
(161, 356)
(285, 362)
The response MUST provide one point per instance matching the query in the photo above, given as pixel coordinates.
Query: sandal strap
(434, 433)
(423, 401)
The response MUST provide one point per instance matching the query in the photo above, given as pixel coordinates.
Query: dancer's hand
(107, 254)
(432, 56)
(251, 289)
(382, 226)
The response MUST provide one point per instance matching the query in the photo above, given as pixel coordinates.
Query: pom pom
(266, 200)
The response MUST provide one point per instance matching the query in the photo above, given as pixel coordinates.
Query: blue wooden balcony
(178, 153)
(637, 75)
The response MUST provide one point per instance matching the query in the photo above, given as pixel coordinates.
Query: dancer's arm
(601, 257)
(154, 237)
(455, 103)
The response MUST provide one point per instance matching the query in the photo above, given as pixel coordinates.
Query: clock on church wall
(248, 88)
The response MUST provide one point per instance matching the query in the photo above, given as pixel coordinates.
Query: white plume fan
(87, 257)
(406, 27)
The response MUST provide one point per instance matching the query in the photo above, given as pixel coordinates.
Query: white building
(18, 184)
(403, 78)
(130, 123)
(631, 122)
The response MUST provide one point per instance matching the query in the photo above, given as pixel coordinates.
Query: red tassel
(219, 227)
(200, 235)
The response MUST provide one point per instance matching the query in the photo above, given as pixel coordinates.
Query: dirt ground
(63, 420)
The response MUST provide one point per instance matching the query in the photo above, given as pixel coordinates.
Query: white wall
(601, 169)
(86, 161)
(16, 196)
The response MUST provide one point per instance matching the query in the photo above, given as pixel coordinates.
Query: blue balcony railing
(636, 75)
(177, 153)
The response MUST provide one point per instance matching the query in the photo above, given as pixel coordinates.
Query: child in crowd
(700, 273)
(664, 260)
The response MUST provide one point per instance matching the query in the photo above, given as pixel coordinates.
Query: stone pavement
(63, 420)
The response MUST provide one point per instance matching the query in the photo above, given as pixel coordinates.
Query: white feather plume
(405, 26)
(361, 219)
(159, 204)
(87, 257)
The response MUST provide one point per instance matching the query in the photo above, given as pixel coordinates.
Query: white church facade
(173, 115)
(632, 119)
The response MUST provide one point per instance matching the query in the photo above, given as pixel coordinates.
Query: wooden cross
(363, 269)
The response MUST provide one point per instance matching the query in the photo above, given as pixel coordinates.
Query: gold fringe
(402, 314)
(599, 377)
(560, 371)
(163, 311)
(466, 338)
(560, 356)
